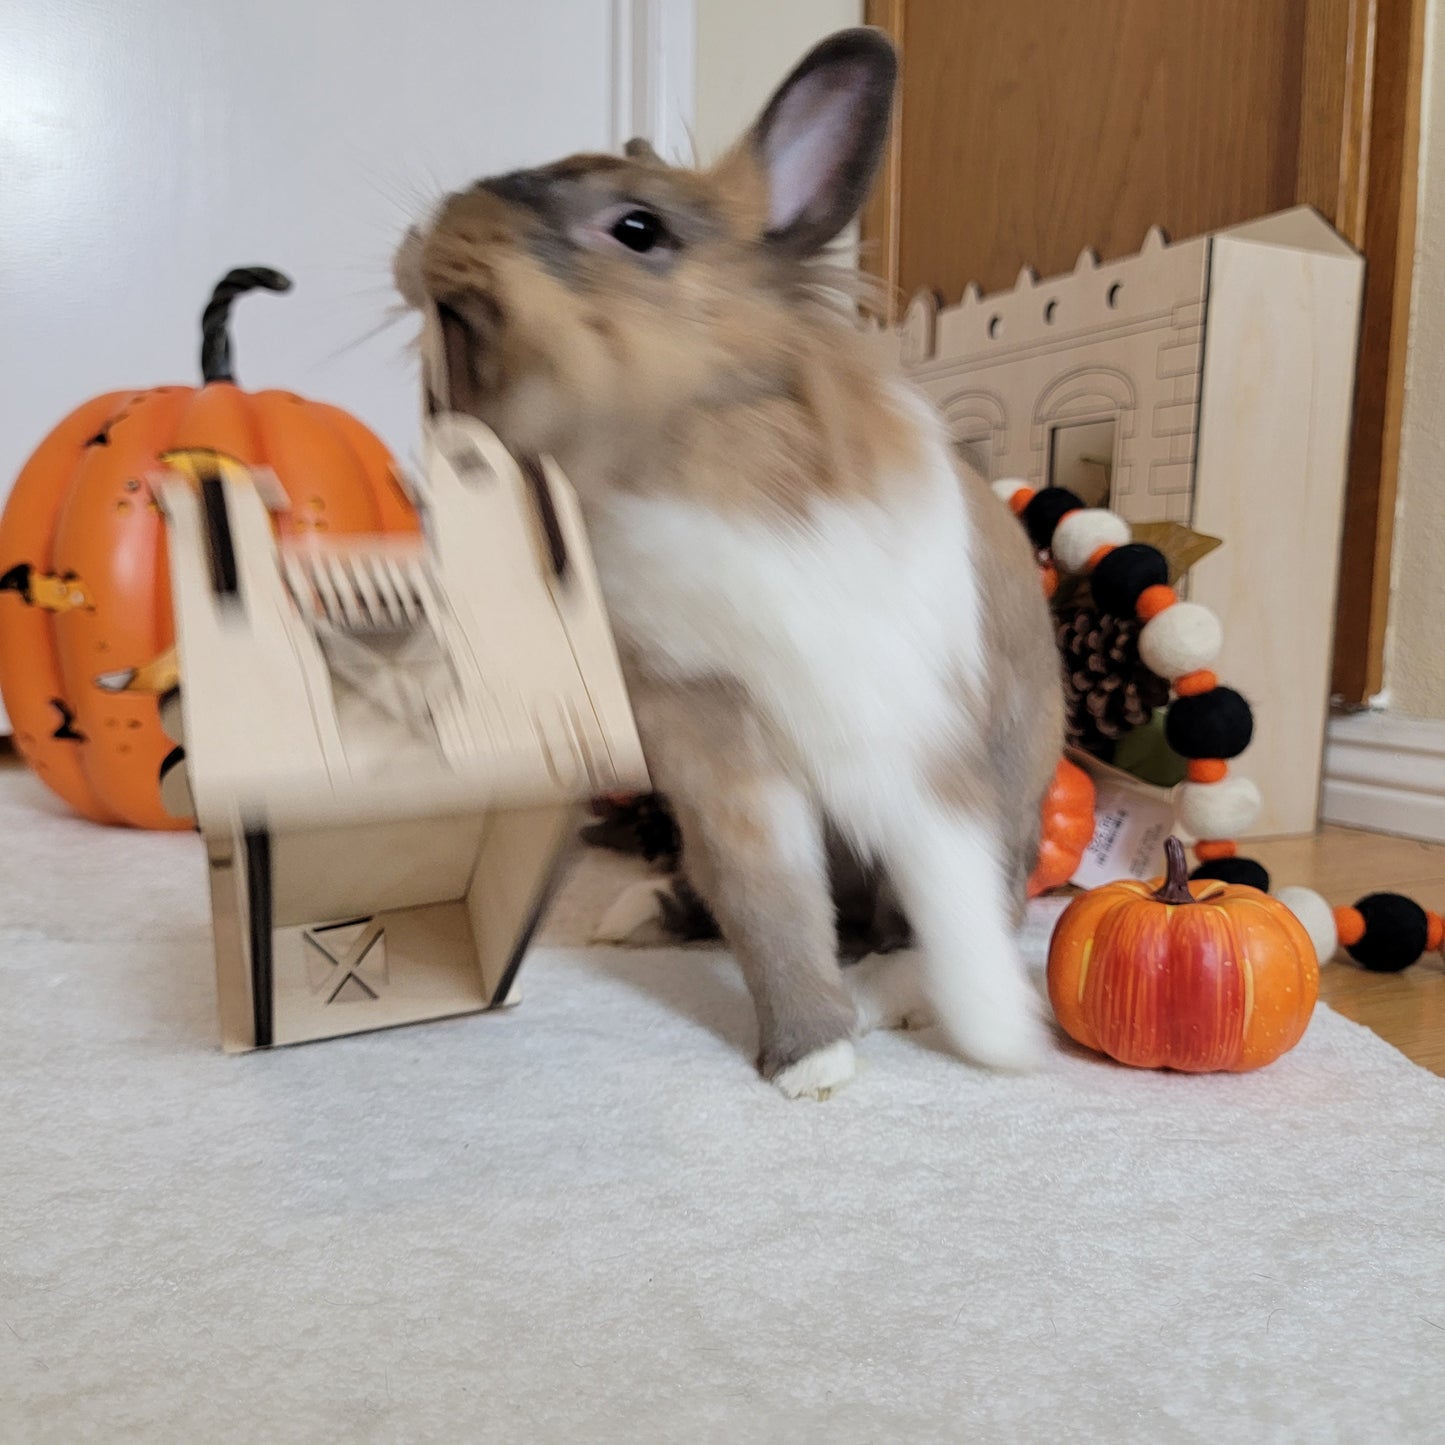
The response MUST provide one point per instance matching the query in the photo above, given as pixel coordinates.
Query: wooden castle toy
(386, 739)
(1208, 382)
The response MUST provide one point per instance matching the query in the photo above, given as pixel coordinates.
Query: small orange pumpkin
(1068, 828)
(1201, 977)
(84, 585)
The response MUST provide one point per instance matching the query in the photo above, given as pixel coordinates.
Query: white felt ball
(1181, 639)
(1218, 810)
(1082, 533)
(1316, 916)
(1005, 488)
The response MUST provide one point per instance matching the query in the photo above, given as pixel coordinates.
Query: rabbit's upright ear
(820, 138)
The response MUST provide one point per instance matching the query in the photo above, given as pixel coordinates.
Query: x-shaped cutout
(346, 966)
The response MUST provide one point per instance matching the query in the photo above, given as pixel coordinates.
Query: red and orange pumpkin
(1068, 828)
(1201, 977)
(84, 586)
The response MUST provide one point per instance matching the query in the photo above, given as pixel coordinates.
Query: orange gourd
(1200, 977)
(1068, 828)
(84, 586)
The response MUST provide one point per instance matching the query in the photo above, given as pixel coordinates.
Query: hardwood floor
(1406, 1009)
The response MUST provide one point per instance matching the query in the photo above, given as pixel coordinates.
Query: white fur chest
(850, 631)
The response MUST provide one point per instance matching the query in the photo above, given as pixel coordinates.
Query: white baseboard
(1385, 773)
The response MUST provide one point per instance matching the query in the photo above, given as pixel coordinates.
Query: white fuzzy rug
(586, 1220)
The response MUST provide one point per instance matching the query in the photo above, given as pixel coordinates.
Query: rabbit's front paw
(819, 1074)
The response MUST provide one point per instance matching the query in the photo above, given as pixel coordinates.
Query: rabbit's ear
(821, 136)
(640, 149)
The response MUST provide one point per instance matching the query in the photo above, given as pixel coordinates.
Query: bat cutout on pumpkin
(160, 678)
(67, 731)
(49, 591)
(102, 437)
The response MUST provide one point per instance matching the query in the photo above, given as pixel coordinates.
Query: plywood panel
(1082, 122)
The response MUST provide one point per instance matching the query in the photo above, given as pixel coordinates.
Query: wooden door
(1030, 129)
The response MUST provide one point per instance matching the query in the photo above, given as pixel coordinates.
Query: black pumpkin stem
(216, 318)
(1176, 879)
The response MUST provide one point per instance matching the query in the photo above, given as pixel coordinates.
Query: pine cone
(1107, 690)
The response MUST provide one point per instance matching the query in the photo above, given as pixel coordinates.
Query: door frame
(654, 75)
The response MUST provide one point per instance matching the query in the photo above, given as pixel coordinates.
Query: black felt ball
(1235, 870)
(1127, 571)
(1046, 509)
(1396, 933)
(1213, 724)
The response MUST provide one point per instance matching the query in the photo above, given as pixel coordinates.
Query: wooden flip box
(387, 739)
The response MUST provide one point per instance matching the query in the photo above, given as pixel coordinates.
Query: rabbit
(825, 620)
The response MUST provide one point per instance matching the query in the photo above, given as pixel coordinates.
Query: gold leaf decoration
(1181, 546)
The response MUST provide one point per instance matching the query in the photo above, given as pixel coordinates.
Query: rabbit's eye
(640, 231)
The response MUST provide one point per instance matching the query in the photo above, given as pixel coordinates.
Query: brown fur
(730, 351)
(1024, 721)
(712, 757)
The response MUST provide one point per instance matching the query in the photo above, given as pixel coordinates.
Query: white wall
(146, 146)
(744, 48)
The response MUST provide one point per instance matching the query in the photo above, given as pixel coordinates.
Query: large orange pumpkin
(1197, 976)
(1068, 828)
(84, 586)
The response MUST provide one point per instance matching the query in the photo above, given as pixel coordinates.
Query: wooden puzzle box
(386, 739)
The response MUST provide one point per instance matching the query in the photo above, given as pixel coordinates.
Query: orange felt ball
(1350, 925)
(1020, 500)
(1210, 850)
(1194, 683)
(1154, 600)
(1435, 930)
(1206, 770)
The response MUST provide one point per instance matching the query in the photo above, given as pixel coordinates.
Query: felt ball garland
(1207, 724)
(1382, 932)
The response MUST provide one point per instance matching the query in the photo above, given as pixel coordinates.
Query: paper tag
(1131, 822)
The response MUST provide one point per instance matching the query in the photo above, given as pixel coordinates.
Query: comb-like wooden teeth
(385, 588)
(364, 592)
(403, 590)
(324, 589)
(377, 614)
(348, 599)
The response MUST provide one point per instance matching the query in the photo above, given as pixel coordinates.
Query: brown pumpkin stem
(1176, 877)
(216, 318)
